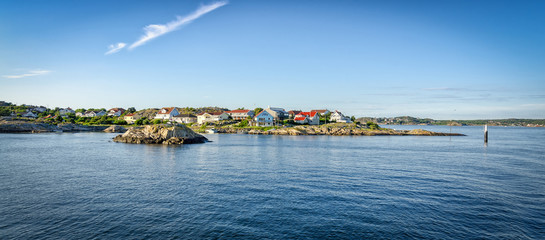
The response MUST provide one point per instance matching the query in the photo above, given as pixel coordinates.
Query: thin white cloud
(29, 74)
(445, 89)
(115, 48)
(155, 30)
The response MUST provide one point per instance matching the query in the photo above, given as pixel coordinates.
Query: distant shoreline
(328, 129)
(407, 120)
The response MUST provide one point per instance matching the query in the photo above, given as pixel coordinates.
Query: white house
(321, 111)
(80, 114)
(240, 114)
(65, 111)
(40, 109)
(167, 113)
(185, 118)
(89, 114)
(292, 113)
(264, 119)
(312, 118)
(211, 117)
(337, 116)
(94, 113)
(116, 112)
(300, 120)
(29, 114)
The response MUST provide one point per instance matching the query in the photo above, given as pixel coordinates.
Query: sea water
(84, 186)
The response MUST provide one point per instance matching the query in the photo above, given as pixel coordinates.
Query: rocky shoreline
(340, 130)
(30, 127)
(329, 129)
(160, 134)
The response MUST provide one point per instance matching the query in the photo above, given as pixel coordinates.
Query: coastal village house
(129, 118)
(292, 113)
(311, 118)
(116, 112)
(167, 113)
(337, 116)
(300, 120)
(322, 112)
(40, 109)
(240, 114)
(94, 113)
(211, 117)
(185, 118)
(29, 114)
(264, 119)
(277, 113)
(66, 111)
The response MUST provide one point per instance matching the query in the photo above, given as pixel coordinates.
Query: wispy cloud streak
(29, 74)
(155, 30)
(115, 48)
(445, 89)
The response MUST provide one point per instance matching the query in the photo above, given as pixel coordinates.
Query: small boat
(211, 130)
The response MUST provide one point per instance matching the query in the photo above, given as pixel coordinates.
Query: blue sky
(436, 59)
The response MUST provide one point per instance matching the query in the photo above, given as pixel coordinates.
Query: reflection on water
(82, 185)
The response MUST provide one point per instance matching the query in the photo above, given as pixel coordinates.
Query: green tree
(157, 121)
(120, 122)
(257, 110)
(372, 125)
(5, 111)
(139, 121)
(131, 110)
(243, 123)
(59, 118)
(327, 117)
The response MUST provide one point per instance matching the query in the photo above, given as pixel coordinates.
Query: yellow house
(129, 118)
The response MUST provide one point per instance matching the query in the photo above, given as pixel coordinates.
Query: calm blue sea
(84, 186)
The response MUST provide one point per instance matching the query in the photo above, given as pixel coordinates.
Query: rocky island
(160, 134)
(335, 129)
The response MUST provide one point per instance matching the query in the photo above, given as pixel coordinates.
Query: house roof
(211, 113)
(238, 111)
(294, 112)
(129, 115)
(116, 109)
(168, 110)
(320, 111)
(185, 115)
(257, 115)
(300, 118)
(278, 110)
(308, 114)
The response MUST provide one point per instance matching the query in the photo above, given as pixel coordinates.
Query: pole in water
(485, 133)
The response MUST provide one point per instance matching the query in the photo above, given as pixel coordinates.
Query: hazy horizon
(460, 60)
